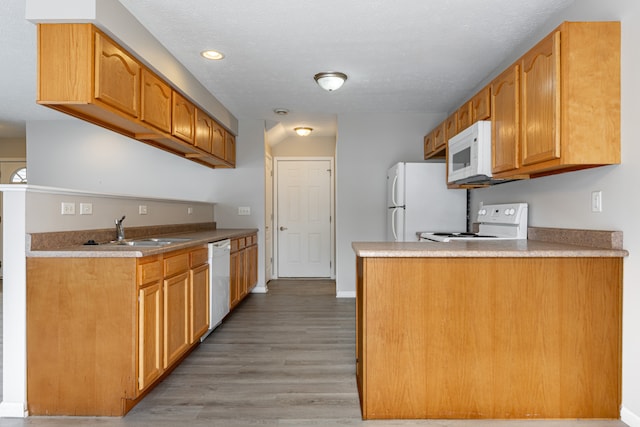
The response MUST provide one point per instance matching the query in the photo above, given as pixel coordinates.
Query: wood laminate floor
(285, 358)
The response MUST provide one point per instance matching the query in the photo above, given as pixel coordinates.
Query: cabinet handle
(283, 228)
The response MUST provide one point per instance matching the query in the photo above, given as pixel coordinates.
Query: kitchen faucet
(120, 229)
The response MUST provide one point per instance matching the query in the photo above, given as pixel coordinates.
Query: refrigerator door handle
(393, 224)
(393, 191)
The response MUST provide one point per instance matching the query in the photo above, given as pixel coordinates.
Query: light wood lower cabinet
(244, 268)
(101, 332)
(489, 337)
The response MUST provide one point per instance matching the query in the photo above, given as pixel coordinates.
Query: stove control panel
(506, 213)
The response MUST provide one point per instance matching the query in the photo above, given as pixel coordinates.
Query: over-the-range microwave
(469, 156)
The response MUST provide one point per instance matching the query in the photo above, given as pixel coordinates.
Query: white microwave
(469, 155)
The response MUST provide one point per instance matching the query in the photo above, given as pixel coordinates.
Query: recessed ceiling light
(281, 111)
(212, 54)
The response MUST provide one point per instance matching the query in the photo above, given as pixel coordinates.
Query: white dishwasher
(219, 265)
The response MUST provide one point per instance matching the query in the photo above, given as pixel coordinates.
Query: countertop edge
(502, 249)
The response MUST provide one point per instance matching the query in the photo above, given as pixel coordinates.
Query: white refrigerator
(418, 200)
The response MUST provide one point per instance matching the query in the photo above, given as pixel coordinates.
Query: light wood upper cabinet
(570, 101)
(183, 124)
(428, 145)
(481, 105)
(84, 73)
(156, 101)
(439, 138)
(464, 117)
(505, 115)
(451, 126)
(204, 131)
(218, 141)
(230, 148)
(117, 77)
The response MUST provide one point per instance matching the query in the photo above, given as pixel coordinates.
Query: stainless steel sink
(150, 242)
(139, 243)
(170, 239)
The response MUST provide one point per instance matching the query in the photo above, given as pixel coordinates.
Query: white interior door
(304, 206)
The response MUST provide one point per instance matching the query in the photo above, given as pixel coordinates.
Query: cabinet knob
(283, 228)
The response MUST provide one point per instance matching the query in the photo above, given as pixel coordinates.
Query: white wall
(367, 145)
(78, 155)
(564, 200)
(305, 146)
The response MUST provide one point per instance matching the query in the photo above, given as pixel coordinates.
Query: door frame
(332, 210)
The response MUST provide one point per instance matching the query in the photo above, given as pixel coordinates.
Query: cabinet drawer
(198, 257)
(149, 272)
(254, 239)
(242, 243)
(176, 264)
(234, 245)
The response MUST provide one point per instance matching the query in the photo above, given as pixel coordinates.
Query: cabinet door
(464, 117)
(204, 131)
(234, 280)
(230, 148)
(176, 317)
(505, 114)
(150, 304)
(199, 301)
(218, 141)
(156, 101)
(183, 118)
(242, 274)
(439, 139)
(117, 77)
(428, 145)
(541, 101)
(252, 267)
(451, 126)
(481, 105)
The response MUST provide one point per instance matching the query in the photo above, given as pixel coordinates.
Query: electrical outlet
(596, 201)
(244, 210)
(68, 208)
(86, 209)
(142, 209)
(190, 210)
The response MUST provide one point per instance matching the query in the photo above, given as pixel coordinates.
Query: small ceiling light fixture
(212, 54)
(330, 80)
(281, 111)
(303, 130)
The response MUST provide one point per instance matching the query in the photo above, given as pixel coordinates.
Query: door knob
(283, 228)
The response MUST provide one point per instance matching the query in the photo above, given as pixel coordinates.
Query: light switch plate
(244, 210)
(68, 208)
(142, 209)
(596, 201)
(86, 209)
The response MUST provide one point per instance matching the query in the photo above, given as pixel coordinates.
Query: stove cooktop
(507, 221)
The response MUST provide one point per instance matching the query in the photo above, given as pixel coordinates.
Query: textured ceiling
(400, 55)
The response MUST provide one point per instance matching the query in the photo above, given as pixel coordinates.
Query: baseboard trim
(629, 418)
(13, 410)
(346, 294)
(260, 290)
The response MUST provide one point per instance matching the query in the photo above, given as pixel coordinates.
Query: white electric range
(507, 221)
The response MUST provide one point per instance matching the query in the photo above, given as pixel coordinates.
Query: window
(19, 176)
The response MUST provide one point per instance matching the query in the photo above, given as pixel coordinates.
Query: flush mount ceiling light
(303, 131)
(212, 54)
(330, 80)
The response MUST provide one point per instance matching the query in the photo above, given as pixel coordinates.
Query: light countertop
(124, 251)
(480, 249)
